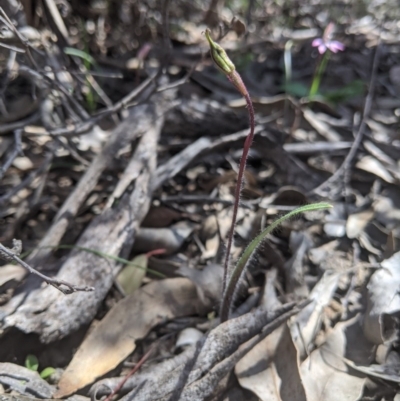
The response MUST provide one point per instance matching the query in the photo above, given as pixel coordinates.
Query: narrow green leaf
(260, 237)
(254, 244)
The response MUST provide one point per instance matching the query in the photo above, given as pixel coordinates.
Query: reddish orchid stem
(223, 62)
(155, 252)
(237, 81)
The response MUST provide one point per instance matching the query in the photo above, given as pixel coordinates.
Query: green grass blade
(71, 51)
(112, 257)
(102, 255)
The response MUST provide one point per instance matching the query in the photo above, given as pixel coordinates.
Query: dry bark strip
(49, 313)
(218, 355)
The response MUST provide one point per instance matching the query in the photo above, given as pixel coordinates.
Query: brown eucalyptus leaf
(325, 375)
(238, 26)
(161, 216)
(170, 239)
(113, 339)
(270, 369)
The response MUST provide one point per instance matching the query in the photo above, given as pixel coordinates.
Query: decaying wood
(53, 316)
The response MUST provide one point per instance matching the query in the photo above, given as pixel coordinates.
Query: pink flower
(326, 41)
(333, 45)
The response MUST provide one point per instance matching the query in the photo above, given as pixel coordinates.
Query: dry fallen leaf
(373, 166)
(208, 282)
(11, 272)
(299, 243)
(325, 375)
(321, 127)
(270, 369)
(357, 222)
(129, 279)
(383, 299)
(335, 225)
(113, 339)
(308, 320)
(23, 163)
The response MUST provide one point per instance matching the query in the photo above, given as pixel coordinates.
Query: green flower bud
(219, 56)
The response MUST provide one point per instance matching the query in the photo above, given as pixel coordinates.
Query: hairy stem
(224, 63)
(240, 177)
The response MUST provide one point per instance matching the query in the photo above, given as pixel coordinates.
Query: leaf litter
(116, 158)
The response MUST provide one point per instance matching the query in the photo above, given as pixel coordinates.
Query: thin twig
(7, 75)
(15, 152)
(12, 255)
(166, 37)
(9, 127)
